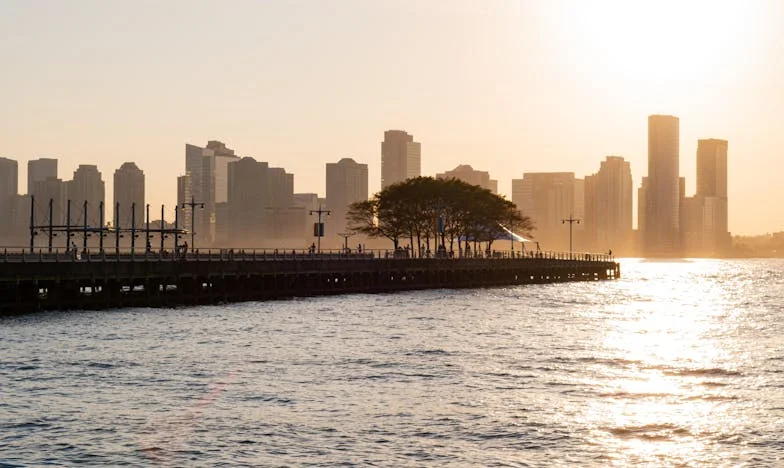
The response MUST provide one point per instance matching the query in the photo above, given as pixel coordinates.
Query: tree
(412, 209)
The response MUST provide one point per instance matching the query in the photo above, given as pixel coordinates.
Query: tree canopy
(444, 211)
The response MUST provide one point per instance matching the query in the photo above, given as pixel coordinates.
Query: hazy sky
(506, 86)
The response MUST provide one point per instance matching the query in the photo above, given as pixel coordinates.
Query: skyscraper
(39, 170)
(49, 192)
(87, 185)
(260, 205)
(208, 169)
(129, 189)
(184, 195)
(608, 205)
(712, 182)
(247, 193)
(712, 168)
(706, 231)
(662, 194)
(9, 188)
(468, 175)
(547, 198)
(347, 183)
(400, 157)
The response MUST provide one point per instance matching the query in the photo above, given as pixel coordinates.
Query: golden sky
(506, 86)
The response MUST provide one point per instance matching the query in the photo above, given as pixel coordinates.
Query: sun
(653, 45)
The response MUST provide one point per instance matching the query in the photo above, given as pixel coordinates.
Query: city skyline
(510, 88)
(604, 206)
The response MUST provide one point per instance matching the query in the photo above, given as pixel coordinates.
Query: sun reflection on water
(663, 398)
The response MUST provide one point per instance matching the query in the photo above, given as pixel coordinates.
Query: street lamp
(345, 236)
(571, 220)
(193, 204)
(319, 229)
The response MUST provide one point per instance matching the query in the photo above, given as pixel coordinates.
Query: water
(677, 363)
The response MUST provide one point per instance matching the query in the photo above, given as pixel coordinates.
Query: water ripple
(675, 364)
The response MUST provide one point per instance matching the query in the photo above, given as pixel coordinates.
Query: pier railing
(21, 254)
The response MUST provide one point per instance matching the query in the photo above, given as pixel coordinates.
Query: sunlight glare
(653, 45)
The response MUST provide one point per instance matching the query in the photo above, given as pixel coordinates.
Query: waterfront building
(661, 236)
(260, 209)
(88, 186)
(185, 195)
(49, 191)
(246, 199)
(129, 190)
(548, 198)
(401, 157)
(308, 202)
(9, 188)
(608, 206)
(39, 170)
(704, 221)
(468, 175)
(209, 183)
(347, 183)
(712, 183)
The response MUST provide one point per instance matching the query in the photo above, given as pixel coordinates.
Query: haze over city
(507, 87)
(396, 233)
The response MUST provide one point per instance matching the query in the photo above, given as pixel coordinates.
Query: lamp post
(32, 223)
(345, 236)
(319, 231)
(147, 247)
(103, 228)
(193, 204)
(84, 233)
(571, 220)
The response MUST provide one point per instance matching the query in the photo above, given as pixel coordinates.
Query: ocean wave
(661, 431)
(699, 372)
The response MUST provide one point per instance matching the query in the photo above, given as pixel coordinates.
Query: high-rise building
(705, 230)
(608, 206)
(641, 207)
(712, 168)
(220, 180)
(247, 193)
(712, 182)
(40, 170)
(401, 157)
(280, 188)
(208, 169)
(19, 220)
(662, 198)
(308, 202)
(129, 189)
(468, 175)
(185, 195)
(347, 183)
(260, 209)
(282, 221)
(86, 186)
(50, 201)
(9, 188)
(9, 177)
(548, 198)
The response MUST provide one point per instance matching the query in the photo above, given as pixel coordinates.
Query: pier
(64, 280)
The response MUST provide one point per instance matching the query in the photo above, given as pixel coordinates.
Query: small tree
(412, 208)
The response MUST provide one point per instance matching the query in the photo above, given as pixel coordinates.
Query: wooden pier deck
(55, 281)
